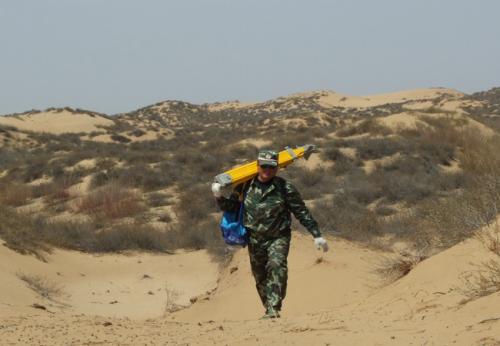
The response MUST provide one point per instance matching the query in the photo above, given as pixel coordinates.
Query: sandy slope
(63, 121)
(407, 120)
(342, 275)
(331, 99)
(333, 298)
(133, 286)
(56, 122)
(334, 301)
(327, 98)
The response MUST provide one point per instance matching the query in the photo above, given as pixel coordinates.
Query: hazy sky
(118, 55)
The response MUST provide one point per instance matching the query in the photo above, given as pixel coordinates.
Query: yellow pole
(245, 172)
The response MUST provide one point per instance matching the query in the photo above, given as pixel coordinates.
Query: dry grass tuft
(486, 279)
(394, 268)
(112, 201)
(172, 296)
(482, 282)
(490, 238)
(42, 286)
(15, 195)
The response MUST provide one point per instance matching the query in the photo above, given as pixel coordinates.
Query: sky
(115, 56)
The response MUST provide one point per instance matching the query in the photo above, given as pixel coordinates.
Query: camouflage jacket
(267, 213)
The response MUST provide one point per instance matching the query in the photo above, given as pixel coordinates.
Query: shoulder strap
(242, 207)
(282, 187)
(242, 189)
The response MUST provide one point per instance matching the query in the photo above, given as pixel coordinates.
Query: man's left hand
(320, 242)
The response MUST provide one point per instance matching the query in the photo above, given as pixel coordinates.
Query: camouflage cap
(268, 157)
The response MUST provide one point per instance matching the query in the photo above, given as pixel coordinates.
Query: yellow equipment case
(243, 173)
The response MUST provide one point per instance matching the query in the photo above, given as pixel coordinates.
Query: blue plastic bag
(233, 231)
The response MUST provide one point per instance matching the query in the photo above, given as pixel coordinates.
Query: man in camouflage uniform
(268, 201)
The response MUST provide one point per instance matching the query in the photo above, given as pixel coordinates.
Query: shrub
(345, 217)
(195, 205)
(111, 201)
(311, 183)
(33, 234)
(120, 138)
(376, 148)
(138, 175)
(42, 190)
(243, 151)
(59, 189)
(15, 195)
(384, 210)
(363, 190)
(412, 179)
(345, 165)
(370, 125)
(331, 152)
(292, 138)
(165, 218)
(158, 199)
(201, 235)
(137, 133)
(131, 237)
(395, 267)
(35, 169)
(484, 281)
(21, 232)
(142, 176)
(100, 178)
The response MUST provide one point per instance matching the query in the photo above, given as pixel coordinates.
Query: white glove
(320, 242)
(216, 190)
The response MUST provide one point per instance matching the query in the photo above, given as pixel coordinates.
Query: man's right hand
(216, 190)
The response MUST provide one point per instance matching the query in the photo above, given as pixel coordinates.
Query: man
(268, 201)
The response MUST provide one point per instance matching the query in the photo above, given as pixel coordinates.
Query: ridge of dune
(219, 106)
(59, 121)
(332, 99)
(56, 122)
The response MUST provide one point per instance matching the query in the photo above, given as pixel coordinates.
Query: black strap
(283, 192)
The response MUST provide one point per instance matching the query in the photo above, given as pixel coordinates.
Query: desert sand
(132, 286)
(333, 298)
(185, 298)
(56, 122)
(329, 99)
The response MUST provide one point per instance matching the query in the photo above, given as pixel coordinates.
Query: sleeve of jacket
(231, 203)
(298, 208)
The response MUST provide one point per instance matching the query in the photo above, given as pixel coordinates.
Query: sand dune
(343, 275)
(56, 122)
(328, 98)
(331, 99)
(407, 120)
(333, 299)
(132, 286)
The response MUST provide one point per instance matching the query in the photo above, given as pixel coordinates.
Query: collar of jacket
(269, 189)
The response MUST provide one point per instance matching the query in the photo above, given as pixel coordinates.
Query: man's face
(266, 172)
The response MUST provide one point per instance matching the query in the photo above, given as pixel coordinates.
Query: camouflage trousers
(268, 260)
